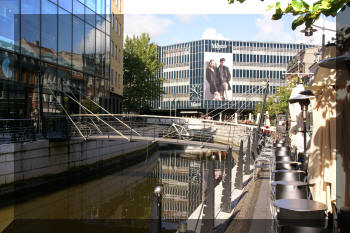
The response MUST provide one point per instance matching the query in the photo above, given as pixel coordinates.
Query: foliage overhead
(141, 66)
(306, 13)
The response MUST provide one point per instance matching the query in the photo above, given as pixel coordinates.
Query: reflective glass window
(90, 16)
(64, 38)
(108, 27)
(91, 4)
(78, 43)
(100, 7)
(30, 31)
(78, 9)
(108, 52)
(48, 31)
(89, 58)
(66, 4)
(108, 9)
(100, 52)
(9, 24)
(100, 23)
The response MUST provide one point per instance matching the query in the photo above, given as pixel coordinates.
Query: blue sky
(173, 21)
(167, 29)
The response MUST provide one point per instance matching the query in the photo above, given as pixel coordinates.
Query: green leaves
(297, 6)
(141, 66)
(297, 22)
(308, 13)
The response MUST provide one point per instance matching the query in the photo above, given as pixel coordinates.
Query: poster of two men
(217, 76)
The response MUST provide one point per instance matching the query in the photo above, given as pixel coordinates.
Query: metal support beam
(208, 211)
(247, 158)
(226, 192)
(239, 172)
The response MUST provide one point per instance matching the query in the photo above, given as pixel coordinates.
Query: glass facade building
(250, 64)
(50, 49)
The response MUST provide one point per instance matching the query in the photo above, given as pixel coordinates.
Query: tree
(278, 103)
(141, 67)
(307, 14)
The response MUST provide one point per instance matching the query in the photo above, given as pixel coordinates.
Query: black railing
(17, 130)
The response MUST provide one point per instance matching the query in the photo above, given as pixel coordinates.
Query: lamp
(309, 31)
(304, 101)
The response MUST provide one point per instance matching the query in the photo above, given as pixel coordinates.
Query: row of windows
(210, 104)
(116, 52)
(176, 59)
(270, 45)
(252, 89)
(261, 58)
(259, 74)
(116, 79)
(116, 25)
(180, 74)
(176, 89)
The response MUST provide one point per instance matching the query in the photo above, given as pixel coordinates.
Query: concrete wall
(22, 161)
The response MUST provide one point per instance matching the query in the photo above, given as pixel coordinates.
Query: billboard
(218, 76)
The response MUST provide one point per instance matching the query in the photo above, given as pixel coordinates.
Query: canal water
(122, 201)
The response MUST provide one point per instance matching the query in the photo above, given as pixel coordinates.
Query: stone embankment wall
(22, 163)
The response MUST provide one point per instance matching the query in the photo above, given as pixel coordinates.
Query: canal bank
(43, 166)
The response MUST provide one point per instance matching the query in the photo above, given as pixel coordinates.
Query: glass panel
(30, 40)
(91, 4)
(78, 43)
(100, 23)
(108, 52)
(78, 9)
(49, 31)
(108, 9)
(108, 27)
(66, 4)
(9, 24)
(90, 16)
(100, 52)
(89, 58)
(64, 38)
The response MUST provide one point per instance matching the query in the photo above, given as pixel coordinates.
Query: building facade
(250, 65)
(53, 52)
(117, 38)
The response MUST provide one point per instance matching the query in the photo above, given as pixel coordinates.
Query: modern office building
(54, 50)
(250, 65)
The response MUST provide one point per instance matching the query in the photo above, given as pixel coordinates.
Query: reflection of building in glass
(250, 63)
(59, 46)
(182, 181)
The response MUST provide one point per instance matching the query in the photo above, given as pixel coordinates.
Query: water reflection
(126, 195)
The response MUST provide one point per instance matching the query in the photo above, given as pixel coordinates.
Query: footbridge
(173, 130)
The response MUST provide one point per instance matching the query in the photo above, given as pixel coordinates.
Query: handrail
(81, 134)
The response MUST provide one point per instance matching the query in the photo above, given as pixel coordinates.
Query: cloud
(195, 7)
(271, 30)
(186, 18)
(137, 24)
(210, 33)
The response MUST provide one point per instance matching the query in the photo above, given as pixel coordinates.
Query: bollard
(239, 172)
(247, 159)
(208, 210)
(156, 211)
(182, 227)
(226, 192)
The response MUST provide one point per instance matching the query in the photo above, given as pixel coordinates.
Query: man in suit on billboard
(223, 79)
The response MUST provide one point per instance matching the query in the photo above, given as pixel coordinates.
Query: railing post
(208, 211)
(239, 172)
(156, 211)
(247, 158)
(226, 192)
